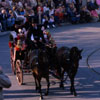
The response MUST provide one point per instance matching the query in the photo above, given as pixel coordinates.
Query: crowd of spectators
(49, 13)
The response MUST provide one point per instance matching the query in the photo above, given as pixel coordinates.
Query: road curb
(4, 33)
(88, 58)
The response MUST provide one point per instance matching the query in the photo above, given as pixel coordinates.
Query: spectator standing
(39, 12)
(9, 24)
(3, 19)
(4, 83)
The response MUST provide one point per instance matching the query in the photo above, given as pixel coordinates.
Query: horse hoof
(23, 84)
(37, 89)
(62, 86)
(71, 93)
(75, 94)
(41, 98)
(46, 94)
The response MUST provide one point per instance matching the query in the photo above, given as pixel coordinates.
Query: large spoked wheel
(19, 72)
(13, 66)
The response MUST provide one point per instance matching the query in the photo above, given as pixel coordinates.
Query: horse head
(75, 54)
(51, 50)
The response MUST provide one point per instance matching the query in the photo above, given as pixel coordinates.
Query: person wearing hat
(4, 83)
(30, 41)
(3, 19)
(35, 36)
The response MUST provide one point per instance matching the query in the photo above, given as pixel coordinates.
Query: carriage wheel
(13, 66)
(19, 72)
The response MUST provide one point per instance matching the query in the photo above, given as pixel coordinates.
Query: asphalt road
(87, 82)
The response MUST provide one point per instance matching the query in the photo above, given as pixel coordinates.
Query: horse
(51, 51)
(40, 69)
(54, 69)
(68, 60)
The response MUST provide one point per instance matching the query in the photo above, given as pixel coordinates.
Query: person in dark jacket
(78, 5)
(73, 14)
(3, 20)
(35, 38)
(85, 15)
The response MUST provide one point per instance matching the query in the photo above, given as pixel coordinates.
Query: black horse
(40, 69)
(68, 60)
(51, 53)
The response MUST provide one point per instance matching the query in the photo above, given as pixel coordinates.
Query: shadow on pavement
(11, 94)
(87, 85)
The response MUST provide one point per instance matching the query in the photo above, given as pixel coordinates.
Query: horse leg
(61, 83)
(60, 73)
(39, 82)
(48, 85)
(36, 83)
(72, 88)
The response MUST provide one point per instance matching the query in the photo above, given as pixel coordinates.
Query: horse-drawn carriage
(19, 56)
(40, 61)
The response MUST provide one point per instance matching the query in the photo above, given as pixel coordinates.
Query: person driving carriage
(35, 38)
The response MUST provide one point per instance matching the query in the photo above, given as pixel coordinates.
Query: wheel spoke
(19, 72)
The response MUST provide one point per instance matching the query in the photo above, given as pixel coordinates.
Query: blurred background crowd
(50, 13)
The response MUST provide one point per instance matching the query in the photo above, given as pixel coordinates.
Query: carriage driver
(35, 38)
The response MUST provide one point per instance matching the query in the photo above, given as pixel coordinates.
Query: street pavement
(4, 33)
(87, 82)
